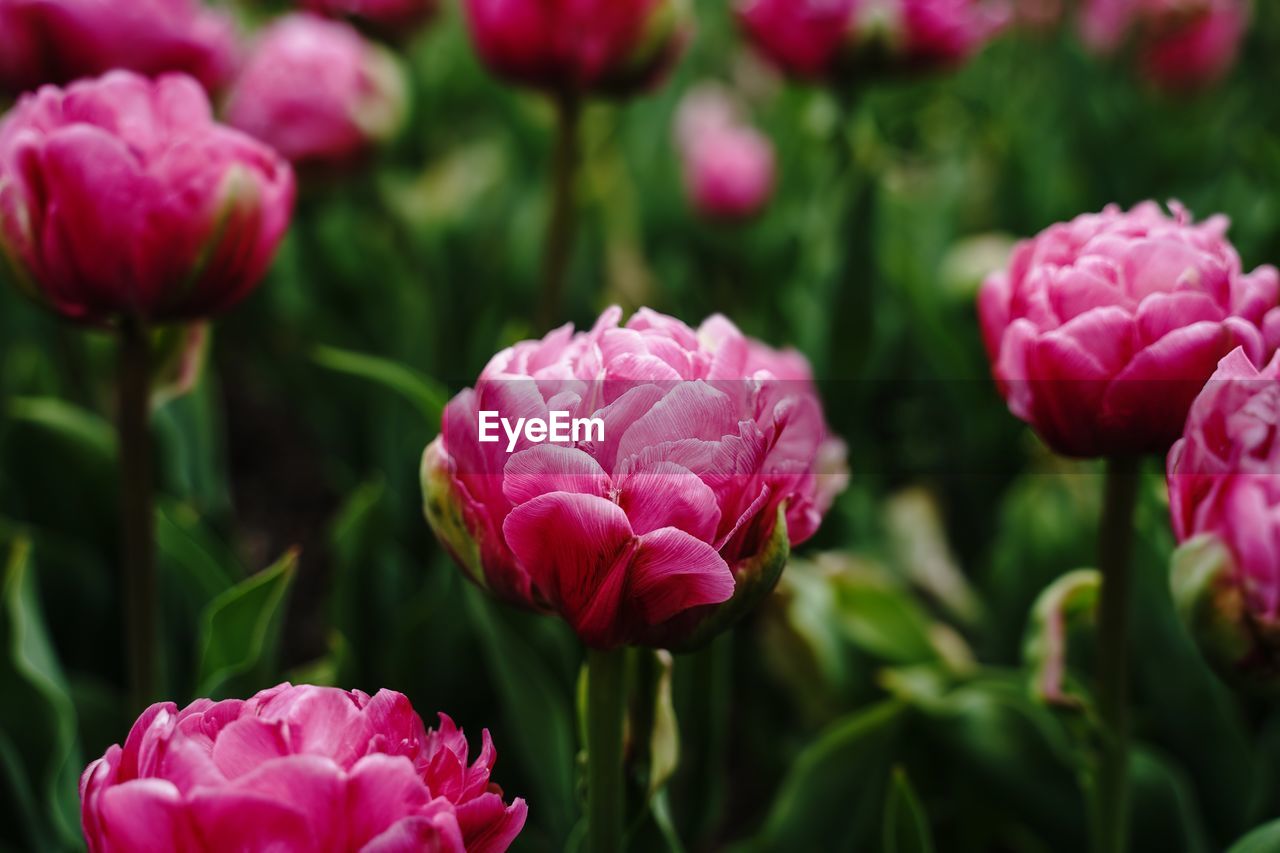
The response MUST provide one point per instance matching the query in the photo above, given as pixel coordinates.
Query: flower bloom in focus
(816, 39)
(609, 47)
(58, 41)
(714, 458)
(317, 92)
(386, 17)
(1224, 497)
(1181, 44)
(728, 166)
(1103, 329)
(121, 195)
(295, 768)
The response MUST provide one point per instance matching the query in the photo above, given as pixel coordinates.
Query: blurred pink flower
(299, 769)
(662, 530)
(818, 39)
(728, 166)
(1181, 44)
(1104, 328)
(386, 17)
(57, 41)
(611, 47)
(317, 92)
(121, 195)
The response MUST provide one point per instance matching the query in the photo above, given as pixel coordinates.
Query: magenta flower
(317, 92)
(728, 166)
(295, 768)
(57, 41)
(1224, 491)
(121, 195)
(1181, 44)
(1103, 329)
(386, 17)
(816, 39)
(673, 518)
(612, 47)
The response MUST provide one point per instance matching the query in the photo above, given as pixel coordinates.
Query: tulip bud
(608, 47)
(122, 196)
(668, 522)
(388, 18)
(57, 41)
(728, 166)
(295, 768)
(317, 92)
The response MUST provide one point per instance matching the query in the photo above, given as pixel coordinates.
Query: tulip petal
(547, 468)
(672, 571)
(669, 495)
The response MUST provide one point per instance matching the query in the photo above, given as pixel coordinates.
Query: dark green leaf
(906, 828)
(240, 627)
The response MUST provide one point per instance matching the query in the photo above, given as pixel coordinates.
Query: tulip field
(639, 425)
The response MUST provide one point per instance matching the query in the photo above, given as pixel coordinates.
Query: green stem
(137, 516)
(558, 247)
(606, 707)
(1115, 546)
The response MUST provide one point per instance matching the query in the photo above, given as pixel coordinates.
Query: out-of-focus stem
(558, 248)
(606, 710)
(1115, 546)
(137, 518)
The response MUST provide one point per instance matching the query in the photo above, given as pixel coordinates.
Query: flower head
(728, 165)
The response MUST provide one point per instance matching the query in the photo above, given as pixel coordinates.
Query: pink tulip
(317, 92)
(675, 517)
(295, 768)
(1103, 329)
(386, 17)
(1181, 44)
(1224, 490)
(817, 39)
(121, 195)
(728, 166)
(57, 41)
(611, 47)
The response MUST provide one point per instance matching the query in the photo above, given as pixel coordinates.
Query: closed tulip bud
(604, 47)
(1103, 329)
(57, 41)
(728, 166)
(388, 18)
(1224, 498)
(318, 92)
(121, 196)
(828, 39)
(295, 768)
(673, 518)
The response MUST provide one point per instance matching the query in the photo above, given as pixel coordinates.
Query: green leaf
(1069, 600)
(906, 829)
(241, 626)
(179, 355)
(426, 395)
(1264, 839)
(78, 426)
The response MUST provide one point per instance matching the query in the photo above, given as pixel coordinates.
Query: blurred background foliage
(889, 694)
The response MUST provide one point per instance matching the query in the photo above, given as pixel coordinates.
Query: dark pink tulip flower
(391, 18)
(817, 39)
(728, 166)
(304, 769)
(122, 196)
(1103, 329)
(1181, 44)
(318, 92)
(711, 457)
(609, 47)
(57, 41)
(1224, 496)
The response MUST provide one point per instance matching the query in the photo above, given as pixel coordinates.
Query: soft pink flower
(828, 38)
(57, 41)
(317, 92)
(1104, 328)
(121, 195)
(667, 524)
(728, 166)
(386, 17)
(594, 46)
(301, 769)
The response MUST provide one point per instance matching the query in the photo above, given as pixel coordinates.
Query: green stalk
(606, 709)
(137, 513)
(558, 248)
(1115, 547)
